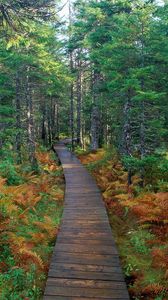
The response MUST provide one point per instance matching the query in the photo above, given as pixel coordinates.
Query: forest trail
(85, 263)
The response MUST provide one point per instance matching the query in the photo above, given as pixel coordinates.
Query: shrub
(154, 168)
(8, 171)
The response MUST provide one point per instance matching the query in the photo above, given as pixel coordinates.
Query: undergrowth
(139, 222)
(31, 208)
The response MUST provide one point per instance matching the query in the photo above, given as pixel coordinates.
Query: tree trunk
(57, 121)
(95, 125)
(18, 118)
(53, 120)
(49, 112)
(72, 104)
(142, 140)
(126, 143)
(1, 129)
(79, 102)
(30, 126)
(72, 85)
(126, 140)
(44, 130)
(142, 111)
(95, 116)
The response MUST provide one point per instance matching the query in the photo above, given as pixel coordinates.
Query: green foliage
(80, 151)
(20, 282)
(15, 14)
(163, 168)
(155, 168)
(8, 171)
(103, 161)
(138, 241)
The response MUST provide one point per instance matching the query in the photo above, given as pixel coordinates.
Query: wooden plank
(99, 284)
(106, 260)
(76, 298)
(83, 223)
(85, 248)
(88, 216)
(102, 236)
(84, 292)
(84, 207)
(80, 240)
(83, 193)
(84, 268)
(94, 196)
(85, 275)
(94, 232)
(72, 210)
(80, 233)
(79, 216)
(83, 226)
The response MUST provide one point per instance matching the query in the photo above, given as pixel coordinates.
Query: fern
(154, 289)
(26, 255)
(30, 214)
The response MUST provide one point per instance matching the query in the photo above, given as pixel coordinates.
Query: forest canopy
(16, 10)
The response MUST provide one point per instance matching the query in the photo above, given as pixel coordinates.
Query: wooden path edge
(85, 263)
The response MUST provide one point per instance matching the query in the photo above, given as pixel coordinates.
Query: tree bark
(44, 130)
(72, 104)
(79, 101)
(57, 124)
(72, 85)
(49, 113)
(142, 110)
(126, 140)
(53, 120)
(95, 125)
(18, 118)
(95, 116)
(30, 125)
(126, 143)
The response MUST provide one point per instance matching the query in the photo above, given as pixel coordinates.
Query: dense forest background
(99, 79)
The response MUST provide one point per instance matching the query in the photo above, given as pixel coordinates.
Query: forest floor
(29, 221)
(139, 220)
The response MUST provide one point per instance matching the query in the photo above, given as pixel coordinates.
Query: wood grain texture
(85, 263)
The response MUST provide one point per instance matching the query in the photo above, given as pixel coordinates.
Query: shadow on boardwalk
(85, 263)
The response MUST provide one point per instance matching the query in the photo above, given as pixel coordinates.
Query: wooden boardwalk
(85, 264)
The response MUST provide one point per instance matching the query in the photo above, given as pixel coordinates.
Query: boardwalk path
(85, 263)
